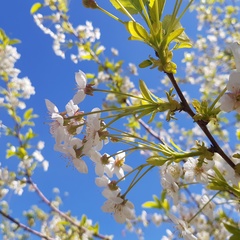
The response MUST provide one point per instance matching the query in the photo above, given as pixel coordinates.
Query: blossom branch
(24, 227)
(55, 209)
(203, 125)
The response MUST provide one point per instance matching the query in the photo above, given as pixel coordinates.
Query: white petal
(80, 79)
(51, 107)
(234, 82)
(71, 108)
(108, 206)
(79, 96)
(102, 181)
(99, 169)
(127, 168)
(227, 103)
(119, 217)
(80, 165)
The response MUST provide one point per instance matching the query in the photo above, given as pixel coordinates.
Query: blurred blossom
(133, 69)
(40, 145)
(8, 58)
(114, 51)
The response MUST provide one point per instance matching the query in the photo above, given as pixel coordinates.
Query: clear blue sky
(53, 78)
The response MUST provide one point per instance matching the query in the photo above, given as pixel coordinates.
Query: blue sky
(53, 78)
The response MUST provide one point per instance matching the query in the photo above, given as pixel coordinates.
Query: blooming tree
(199, 166)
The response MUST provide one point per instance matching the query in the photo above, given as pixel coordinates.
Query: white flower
(38, 155)
(195, 171)
(18, 186)
(144, 218)
(182, 226)
(56, 127)
(93, 127)
(121, 209)
(103, 162)
(231, 100)
(157, 219)
(114, 51)
(71, 108)
(74, 152)
(81, 81)
(174, 170)
(111, 190)
(40, 145)
(171, 187)
(118, 167)
(45, 165)
(133, 69)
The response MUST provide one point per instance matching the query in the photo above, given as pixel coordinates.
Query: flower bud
(90, 4)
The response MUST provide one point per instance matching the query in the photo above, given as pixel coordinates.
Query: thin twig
(24, 227)
(55, 209)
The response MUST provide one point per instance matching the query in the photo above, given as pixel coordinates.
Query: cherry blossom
(121, 209)
(57, 129)
(111, 190)
(182, 226)
(74, 151)
(171, 187)
(81, 81)
(118, 167)
(103, 162)
(93, 128)
(197, 171)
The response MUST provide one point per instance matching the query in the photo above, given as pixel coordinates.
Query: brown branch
(24, 227)
(63, 215)
(203, 125)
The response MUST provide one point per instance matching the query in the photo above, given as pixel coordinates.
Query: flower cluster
(85, 34)
(66, 126)
(17, 87)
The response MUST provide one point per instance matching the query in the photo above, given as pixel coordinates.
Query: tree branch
(201, 124)
(63, 215)
(24, 227)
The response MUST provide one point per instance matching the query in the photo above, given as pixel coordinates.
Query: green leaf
(10, 153)
(150, 204)
(132, 6)
(13, 41)
(232, 229)
(174, 35)
(28, 114)
(30, 134)
(156, 9)
(157, 160)
(145, 63)
(145, 91)
(67, 27)
(137, 31)
(63, 5)
(35, 7)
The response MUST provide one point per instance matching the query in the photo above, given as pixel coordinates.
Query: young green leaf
(132, 6)
(35, 7)
(137, 31)
(145, 63)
